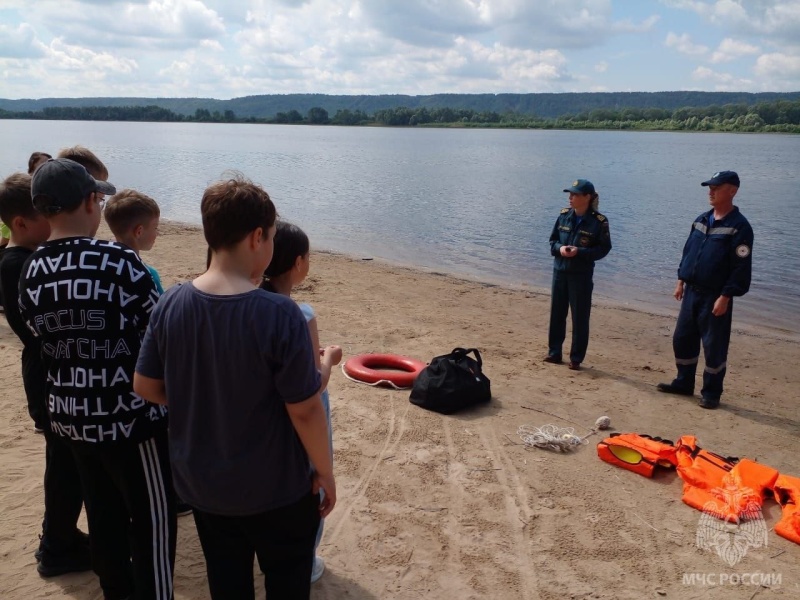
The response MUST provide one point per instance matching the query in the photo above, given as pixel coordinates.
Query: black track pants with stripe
(130, 507)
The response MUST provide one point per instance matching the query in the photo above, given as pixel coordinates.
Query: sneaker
(318, 569)
(669, 388)
(52, 565)
(574, 366)
(82, 540)
(554, 360)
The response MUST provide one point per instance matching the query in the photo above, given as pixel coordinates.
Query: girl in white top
(288, 269)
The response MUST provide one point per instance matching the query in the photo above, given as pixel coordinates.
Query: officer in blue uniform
(579, 238)
(716, 266)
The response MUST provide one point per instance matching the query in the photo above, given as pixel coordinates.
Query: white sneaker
(318, 569)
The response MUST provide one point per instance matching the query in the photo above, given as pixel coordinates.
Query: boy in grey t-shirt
(236, 366)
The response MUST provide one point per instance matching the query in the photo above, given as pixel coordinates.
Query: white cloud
(730, 49)
(683, 44)
(227, 48)
(775, 19)
(780, 67)
(94, 65)
(722, 82)
(154, 24)
(19, 42)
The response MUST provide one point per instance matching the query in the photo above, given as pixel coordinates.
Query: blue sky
(231, 48)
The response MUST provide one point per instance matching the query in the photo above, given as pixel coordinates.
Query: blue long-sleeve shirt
(718, 255)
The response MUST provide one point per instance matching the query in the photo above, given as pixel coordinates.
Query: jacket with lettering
(89, 302)
(591, 237)
(719, 257)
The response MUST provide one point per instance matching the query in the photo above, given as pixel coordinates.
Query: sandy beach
(456, 507)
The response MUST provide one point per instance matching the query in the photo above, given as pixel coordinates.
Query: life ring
(383, 369)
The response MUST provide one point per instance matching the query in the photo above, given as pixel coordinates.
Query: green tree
(318, 116)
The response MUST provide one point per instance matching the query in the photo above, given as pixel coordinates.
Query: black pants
(130, 507)
(282, 539)
(571, 291)
(63, 497)
(697, 324)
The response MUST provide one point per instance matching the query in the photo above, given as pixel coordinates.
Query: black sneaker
(554, 360)
(669, 388)
(52, 565)
(81, 541)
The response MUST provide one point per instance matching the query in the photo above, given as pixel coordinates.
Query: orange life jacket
(787, 494)
(726, 487)
(654, 452)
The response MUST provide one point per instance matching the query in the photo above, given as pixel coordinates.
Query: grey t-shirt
(229, 364)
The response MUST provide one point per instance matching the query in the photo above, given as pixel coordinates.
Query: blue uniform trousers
(572, 291)
(696, 323)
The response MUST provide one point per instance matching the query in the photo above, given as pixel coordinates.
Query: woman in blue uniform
(579, 238)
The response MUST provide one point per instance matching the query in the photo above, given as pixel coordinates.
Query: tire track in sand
(396, 428)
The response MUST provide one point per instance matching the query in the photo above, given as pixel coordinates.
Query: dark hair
(128, 209)
(234, 208)
(290, 242)
(15, 198)
(36, 159)
(87, 158)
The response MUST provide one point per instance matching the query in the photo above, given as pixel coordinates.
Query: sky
(231, 48)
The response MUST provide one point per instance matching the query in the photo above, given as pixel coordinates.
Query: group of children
(105, 351)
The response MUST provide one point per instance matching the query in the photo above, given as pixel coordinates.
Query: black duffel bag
(452, 382)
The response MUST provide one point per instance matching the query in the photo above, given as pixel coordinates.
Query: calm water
(479, 203)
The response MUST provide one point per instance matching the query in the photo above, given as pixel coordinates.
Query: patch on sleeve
(743, 251)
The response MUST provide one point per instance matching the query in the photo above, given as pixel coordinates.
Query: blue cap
(721, 177)
(581, 186)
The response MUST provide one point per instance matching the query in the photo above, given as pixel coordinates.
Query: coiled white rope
(550, 437)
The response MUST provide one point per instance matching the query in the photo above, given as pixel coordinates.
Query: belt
(699, 289)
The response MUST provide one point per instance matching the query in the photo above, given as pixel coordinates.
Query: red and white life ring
(383, 369)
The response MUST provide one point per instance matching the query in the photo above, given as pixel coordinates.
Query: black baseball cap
(581, 186)
(62, 184)
(721, 177)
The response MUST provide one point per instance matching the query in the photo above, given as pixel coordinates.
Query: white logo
(742, 251)
(733, 523)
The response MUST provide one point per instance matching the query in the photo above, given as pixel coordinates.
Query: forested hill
(548, 106)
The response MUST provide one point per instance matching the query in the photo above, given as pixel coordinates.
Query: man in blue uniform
(716, 266)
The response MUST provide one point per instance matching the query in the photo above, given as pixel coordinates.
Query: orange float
(393, 370)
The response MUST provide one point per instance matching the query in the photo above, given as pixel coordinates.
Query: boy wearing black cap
(89, 301)
(716, 266)
(63, 548)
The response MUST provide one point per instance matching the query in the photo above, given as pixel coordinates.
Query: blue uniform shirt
(718, 256)
(589, 234)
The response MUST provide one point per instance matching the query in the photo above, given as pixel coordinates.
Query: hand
(332, 355)
(678, 293)
(328, 484)
(568, 251)
(720, 306)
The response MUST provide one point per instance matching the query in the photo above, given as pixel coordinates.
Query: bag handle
(465, 351)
